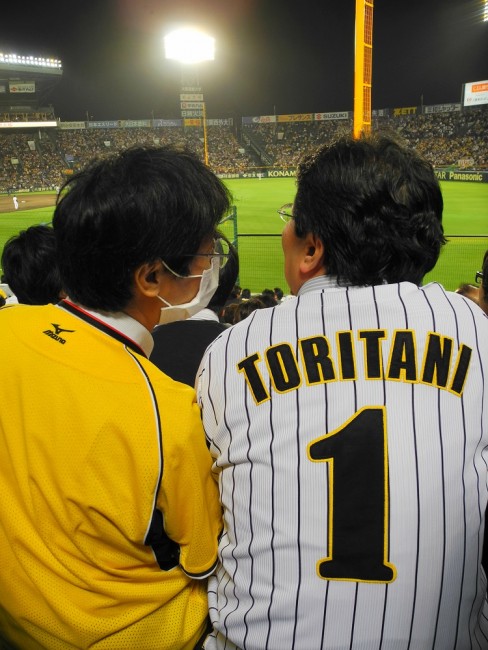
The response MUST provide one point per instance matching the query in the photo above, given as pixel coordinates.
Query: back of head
(268, 298)
(30, 267)
(376, 206)
(243, 309)
(136, 207)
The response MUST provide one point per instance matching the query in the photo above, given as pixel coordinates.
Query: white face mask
(208, 286)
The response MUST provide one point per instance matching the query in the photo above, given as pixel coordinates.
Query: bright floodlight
(38, 61)
(189, 46)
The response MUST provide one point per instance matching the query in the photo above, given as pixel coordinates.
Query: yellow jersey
(109, 515)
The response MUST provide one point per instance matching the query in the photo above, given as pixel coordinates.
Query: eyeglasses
(285, 212)
(479, 277)
(220, 250)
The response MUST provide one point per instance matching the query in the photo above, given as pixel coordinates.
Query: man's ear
(147, 279)
(312, 262)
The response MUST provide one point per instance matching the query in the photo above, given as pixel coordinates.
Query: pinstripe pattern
(263, 414)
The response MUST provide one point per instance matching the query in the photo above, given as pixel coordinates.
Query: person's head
(227, 315)
(268, 298)
(236, 291)
(368, 211)
(243, 309)
(227, 276)
(245, 294)
(278, 293)
(30, 267)
(132, 227)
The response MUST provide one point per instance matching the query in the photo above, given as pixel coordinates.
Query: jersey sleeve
(189, 495)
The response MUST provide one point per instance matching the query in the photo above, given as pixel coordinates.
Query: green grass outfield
(259, 227)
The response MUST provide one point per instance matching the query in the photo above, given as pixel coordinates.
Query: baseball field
(259, 228)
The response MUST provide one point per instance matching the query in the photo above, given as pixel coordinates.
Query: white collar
(123, 323)
(205, 314)
(318, 283)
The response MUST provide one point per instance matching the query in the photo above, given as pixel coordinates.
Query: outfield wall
(442, 174)
(461, 176)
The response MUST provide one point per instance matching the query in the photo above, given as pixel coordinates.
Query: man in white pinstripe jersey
(349, 427)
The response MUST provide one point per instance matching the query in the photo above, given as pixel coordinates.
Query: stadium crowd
(445, 139)
(43, 159)
(101, 544)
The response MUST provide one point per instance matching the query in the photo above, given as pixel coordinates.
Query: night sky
(282, 56)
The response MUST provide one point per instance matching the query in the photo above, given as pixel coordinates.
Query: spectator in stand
(246, 307)
(228, 313)
(179, 346)
(30, 267)
(245, 294)
(110, 515)
(278, 294)
(235, 294)
(268, 297)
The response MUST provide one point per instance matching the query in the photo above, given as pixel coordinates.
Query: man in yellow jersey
(109, 515)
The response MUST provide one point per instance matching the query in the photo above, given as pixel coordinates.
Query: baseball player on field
(349, 427)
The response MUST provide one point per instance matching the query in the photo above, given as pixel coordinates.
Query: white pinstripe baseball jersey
(349, 430)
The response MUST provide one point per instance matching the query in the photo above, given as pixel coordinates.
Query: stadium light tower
(190, 46)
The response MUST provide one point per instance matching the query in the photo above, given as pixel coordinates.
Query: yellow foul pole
(205, 141)
(363, 67)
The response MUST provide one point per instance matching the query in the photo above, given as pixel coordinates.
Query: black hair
(376, 206)
(30, 266)
(227, 277)
(227, 315)
(136, 207)
(268, 298)
(245, 308)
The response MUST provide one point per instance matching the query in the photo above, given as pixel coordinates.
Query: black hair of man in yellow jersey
(144, 205)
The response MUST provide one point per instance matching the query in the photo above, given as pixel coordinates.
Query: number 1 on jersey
(357, 456)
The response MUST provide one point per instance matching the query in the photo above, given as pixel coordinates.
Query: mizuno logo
(57, 331)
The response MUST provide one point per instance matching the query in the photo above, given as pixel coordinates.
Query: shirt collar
(205, 314)
(319, 283)
(118, 321)
(322, 282)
